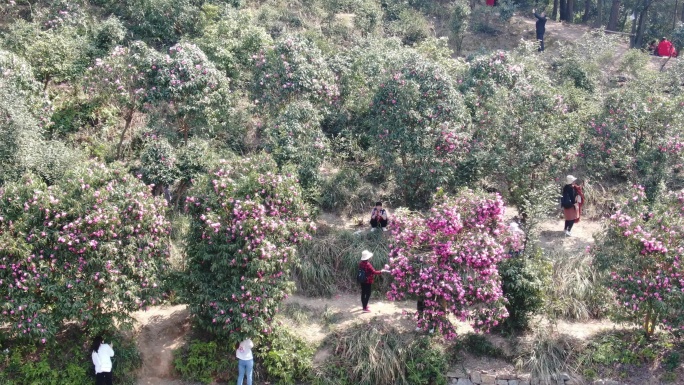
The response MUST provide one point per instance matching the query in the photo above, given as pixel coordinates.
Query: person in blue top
(541, 28)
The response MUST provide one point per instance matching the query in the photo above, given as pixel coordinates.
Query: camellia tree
(418, 128)
(89, 249)
(641, 249)
(122, 80)
(293, 69)
(192, 92)
(246, 221)
(525, 132)
(448, 258)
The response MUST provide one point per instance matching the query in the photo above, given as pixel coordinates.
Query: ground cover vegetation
(183, 151)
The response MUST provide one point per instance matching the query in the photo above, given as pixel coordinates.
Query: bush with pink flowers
(246, 221)
(89, 249)
(641, 250)
(449, 256)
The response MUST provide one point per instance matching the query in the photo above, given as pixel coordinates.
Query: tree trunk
(614, 14)
(632, 36)
(587, 9)
(554, 13)
(129, 119)
(563, 8)
(638, 41)
(599, 11)
(570, 11)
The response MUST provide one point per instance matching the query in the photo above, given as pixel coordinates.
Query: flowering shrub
(641, 248)
(293, 68)
(123, 80)
(419, 128)
(195, 93)
(525, 134)
(449, 259)
(241, 246)
(88, 249)
(638, 135)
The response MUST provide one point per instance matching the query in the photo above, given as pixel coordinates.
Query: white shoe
(567, 234)
(431, 331)
(384, 229)
(372, 229)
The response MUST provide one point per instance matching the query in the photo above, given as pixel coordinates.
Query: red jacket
(370, 271)
(665, 48)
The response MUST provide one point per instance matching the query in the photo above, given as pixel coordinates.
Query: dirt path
(160, 330)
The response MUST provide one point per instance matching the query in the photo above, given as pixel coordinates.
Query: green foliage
(160, 21)
(418, 128)
(105, 232)
(411, 26)
(279, 356)
(232, 40)
(524, 278)
(459, 22)
(525, 133)
(426, 363)
(246, 221)
(158, 163)
(64, 362)
(54, 54)
(205, 361)
(346, 192)
(294, 137)
(293, 69)
(478, 345)
(286, 358)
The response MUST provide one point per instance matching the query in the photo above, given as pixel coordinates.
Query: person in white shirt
(102, 354)
(246, 361)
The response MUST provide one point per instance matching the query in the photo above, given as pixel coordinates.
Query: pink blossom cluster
(247, 222)
(642, 249)
(448, 258)
(87, 250)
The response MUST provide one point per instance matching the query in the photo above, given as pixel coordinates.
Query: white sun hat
(366, 255)
(569, 179)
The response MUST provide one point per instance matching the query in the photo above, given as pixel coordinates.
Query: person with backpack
(101, 355)
(570, 202)
(243, 352)
(379, 217)
(365, 277)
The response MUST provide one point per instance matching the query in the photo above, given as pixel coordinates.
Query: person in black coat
(541, 28)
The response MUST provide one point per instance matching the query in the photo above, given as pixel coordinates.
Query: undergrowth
(379, 354)
(66, 361)
(329, 263)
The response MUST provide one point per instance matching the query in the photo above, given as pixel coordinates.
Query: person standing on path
(102, 359)
(370, 271)
(570, 202)
(541, 28)
(245, 361)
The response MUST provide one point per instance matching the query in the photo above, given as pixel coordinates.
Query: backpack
(567, 200)
(361, 276)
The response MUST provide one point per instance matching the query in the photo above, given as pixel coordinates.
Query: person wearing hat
(570, 203)
(370, 271)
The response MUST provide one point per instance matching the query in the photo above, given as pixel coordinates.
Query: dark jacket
(570, 190)
(541, 23)
(370, 271)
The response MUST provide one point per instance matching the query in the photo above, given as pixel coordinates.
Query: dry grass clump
(329, 263)
(548, 355)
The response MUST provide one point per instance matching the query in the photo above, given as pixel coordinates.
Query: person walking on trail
(245, 361)
(379, 217)
(101, 355)
(570, 202)
(541, 28)
(367, 274)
